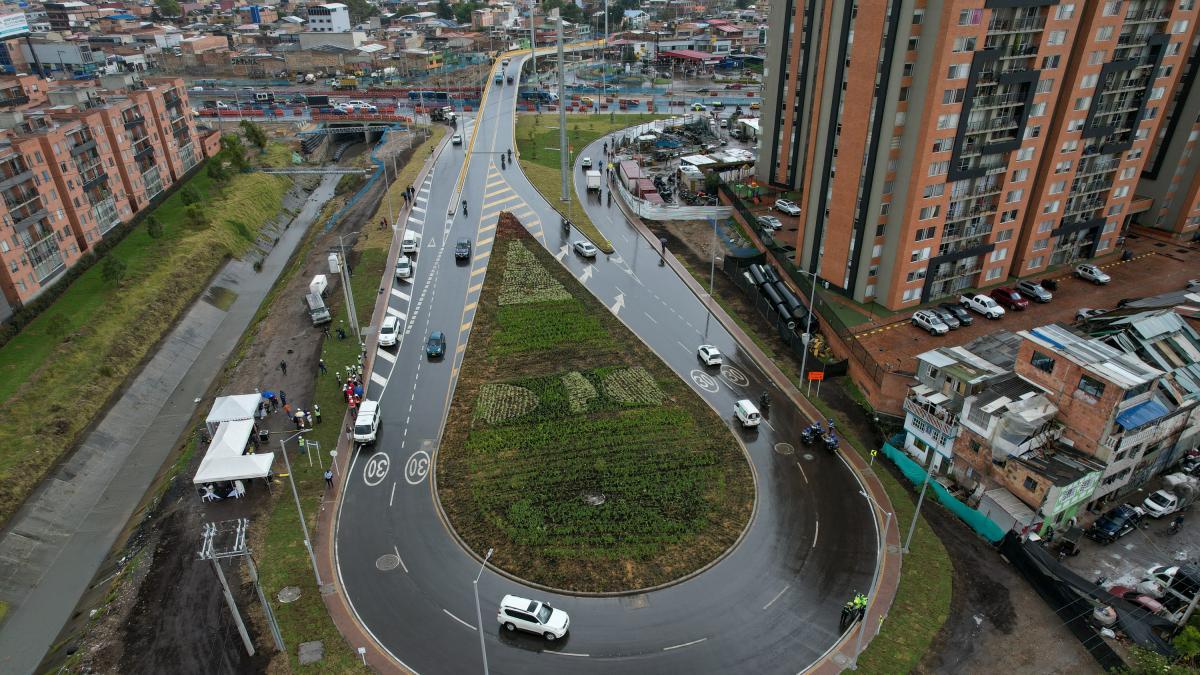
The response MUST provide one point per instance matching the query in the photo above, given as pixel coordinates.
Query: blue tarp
(915, 473)
(1142, 413)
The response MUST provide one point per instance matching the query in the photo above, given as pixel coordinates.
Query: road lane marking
(390, 500)
(418, 209)
(378, 379)
(650, 317)
(385, 355)
(458, 619)
(486, 228)
(768, 423)
(686, 644)
(397, 549)
(470, 306)
(496, 202)
(475, 288)
(401, 294)
(478, 271)
(802, 474)
(777, 595)
(465, 326)
(547, 651)
(496, 192)
(816, 533)
(485, 242)
(397, 313)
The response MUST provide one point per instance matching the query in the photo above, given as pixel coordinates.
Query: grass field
(572, 450)
(61, 370)
(285, 561)
(537, 136)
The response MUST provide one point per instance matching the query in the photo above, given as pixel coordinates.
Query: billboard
(13, 25)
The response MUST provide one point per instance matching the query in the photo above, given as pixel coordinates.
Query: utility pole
(565, 148)
(227, 539)
(346, 290)
(533, 42)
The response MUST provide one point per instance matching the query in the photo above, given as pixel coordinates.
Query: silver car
(1034, 291)
(930, 321)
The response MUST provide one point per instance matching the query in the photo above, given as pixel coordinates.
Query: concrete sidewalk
(53, 547)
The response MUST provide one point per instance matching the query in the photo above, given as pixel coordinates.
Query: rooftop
(1125, 370)
(961, 364)
(1061, 464)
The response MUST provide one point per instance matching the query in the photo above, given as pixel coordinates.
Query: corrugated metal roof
(1110, 363)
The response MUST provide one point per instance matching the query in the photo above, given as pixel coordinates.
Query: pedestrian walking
(317, 412)
(283, 397)
(328, 478)
(299, 421)
(321, 365)
(308, 418)
(283, 366)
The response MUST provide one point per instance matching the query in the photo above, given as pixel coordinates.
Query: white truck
(1181, 492)
(982, 304)
(594, 179)
(411, 243)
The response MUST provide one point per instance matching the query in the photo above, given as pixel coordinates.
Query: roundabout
(769, 604)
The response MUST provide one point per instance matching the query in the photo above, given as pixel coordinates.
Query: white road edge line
(458, 619)
(392, 499)
(802, 474)
(816, 533)
(686, 644)
(547, 651)
(650, 317)
(405, 567)
(777, 595)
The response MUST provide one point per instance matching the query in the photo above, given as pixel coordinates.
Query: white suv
(931, 322)
(1093, 274)
(788, 207)
(532, 616)
(361, 106)
(389, 331)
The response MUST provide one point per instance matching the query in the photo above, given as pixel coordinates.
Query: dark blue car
(436, 346)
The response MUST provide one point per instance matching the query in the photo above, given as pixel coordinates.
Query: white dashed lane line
(458, 619)
(777, 595)
(686, 644)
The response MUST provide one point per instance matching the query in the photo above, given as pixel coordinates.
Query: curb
(887, 579)
(376, 656)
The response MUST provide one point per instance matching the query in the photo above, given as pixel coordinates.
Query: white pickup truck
(982, 304)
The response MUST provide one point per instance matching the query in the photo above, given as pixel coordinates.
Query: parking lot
(1156, 268)
(1126, 560)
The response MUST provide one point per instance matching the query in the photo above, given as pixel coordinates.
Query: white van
(367, 422)
(745, 411)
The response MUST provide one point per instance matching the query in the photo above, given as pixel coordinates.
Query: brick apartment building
(76, 160)
(943, 146)
(1054, 418)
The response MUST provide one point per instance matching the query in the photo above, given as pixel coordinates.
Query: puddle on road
(221, 298)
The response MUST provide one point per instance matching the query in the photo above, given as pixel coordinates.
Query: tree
(195, 217)
(169, 7)
(1187, 644)
(189, 195)
(444, 10)
(463, 11)
(112, 269)
(254, 134)
(568, 9)
(216, 168)
(153, 227)
(360, 10)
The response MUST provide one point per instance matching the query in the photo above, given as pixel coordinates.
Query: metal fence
(648, 211)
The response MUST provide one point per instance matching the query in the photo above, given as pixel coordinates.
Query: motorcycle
(764, 402)
(831, 442)
(464, 207)
(502, 165)
(809, 435)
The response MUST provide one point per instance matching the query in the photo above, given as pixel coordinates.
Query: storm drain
(784, 448)
(387, 562)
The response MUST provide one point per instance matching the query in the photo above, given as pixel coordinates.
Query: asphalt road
(771, 605)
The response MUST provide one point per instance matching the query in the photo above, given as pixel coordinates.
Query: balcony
(92, 175)
(132, 121)
(28, 217)
(45, 257)
(19, 199)
(83, 147)
(105, 212)
(15, 179)
(142, 147)
(1146, 16)
(932, 419)
(8, 99)
(1018, 25)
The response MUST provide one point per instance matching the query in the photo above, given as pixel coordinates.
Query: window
(910, 295)
(939, 168)
(964, 44)
(1058, 187)
(943, 145)
(1036, 262)
(1127, 173)
(1042, 362)
(950, 96)
(1083, 102)
(915, 275)
(1091, 387)
(1019, 176)
(1089, 81)
(1104, 33)
(1096, 58)
(1179, 27)
(930, 212)
(975, 446)
(949, 121)
(1112, 7)
(1033, 131)
(994, 273)
(1030, 484)
(1051, 207)
(1008, 216)
(1037, 109)
(877, 251)
(1004, 235)
(1025, 154)
(1041, 244)
(1065, 12)
(1062, 167)
(958, 71)
(970, 17)
(1156, 93)
(934, 190)
(1050, 62)
(999, 254)
(1044, 86)
(1056, 37)
(920, 254)
(1014, 196)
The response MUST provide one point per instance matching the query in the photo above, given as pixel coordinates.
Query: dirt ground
(168, 614)
(997, 622)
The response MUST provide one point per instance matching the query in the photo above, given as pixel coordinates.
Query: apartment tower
(942, 146)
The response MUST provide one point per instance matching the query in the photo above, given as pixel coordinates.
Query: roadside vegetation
(537, 140)
(63, 367)
(284, 561)
(572, 450)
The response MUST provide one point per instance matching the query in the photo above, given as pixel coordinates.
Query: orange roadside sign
(816, 376)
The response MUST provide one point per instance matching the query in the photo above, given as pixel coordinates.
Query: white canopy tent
(230, 439)
(231, 408)
(220, 469)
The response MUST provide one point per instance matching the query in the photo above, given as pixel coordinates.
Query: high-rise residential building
(941, 146)
(76, 160)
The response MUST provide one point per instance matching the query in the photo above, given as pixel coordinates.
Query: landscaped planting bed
(572, 450)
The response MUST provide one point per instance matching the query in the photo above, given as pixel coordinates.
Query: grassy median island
(576, 454)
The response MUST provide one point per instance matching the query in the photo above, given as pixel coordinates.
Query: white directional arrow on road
(587, 274)
(562, 253)
(616, 308)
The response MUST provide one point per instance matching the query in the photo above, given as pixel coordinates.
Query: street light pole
(912, 528)
(712, 270)
(562, 113)
(479, 612)
(875, 580)
(299, 511)
(812, 307)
